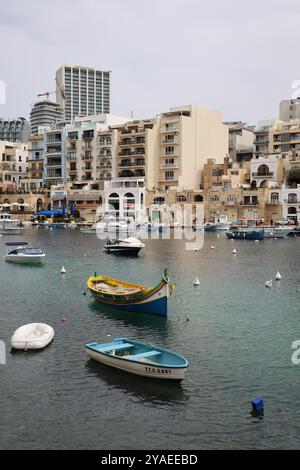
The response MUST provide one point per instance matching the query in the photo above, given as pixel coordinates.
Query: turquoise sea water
(236, 334)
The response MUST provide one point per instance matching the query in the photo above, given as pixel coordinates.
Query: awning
(50, 213)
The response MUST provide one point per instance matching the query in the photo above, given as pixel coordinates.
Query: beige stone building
(13, 164)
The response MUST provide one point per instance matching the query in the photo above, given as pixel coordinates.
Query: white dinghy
(32, 336)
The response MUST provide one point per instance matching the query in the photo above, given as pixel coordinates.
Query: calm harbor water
(236, 333)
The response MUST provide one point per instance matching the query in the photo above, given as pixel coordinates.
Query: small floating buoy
(269, 283)
(218, 236)
(278, 276)
(108, 336)
(62, 319)
(212, 247)
(196, 281)
(234, 251)
(256, 241)
(275, 238)
(257, 406)
(63, 270)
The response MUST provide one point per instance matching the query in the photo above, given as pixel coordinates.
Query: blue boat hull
(240, 235)
(154, 307)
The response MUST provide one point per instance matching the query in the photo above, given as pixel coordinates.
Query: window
(215, 198)
(231, 199)
(292, 198)
(274, 197)
(181, 198)
(20, 158)
(169, 175)
(159, 200)
(169, 150)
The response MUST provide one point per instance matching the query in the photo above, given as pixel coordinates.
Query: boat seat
(144, 354)
(113, 347)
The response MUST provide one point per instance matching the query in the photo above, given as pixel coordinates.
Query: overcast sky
(238, 57)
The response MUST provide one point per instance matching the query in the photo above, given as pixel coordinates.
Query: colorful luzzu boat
(131, 297)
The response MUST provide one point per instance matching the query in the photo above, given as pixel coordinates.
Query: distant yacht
(9, 226)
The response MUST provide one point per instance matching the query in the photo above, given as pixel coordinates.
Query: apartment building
(35, 171)
(267, 170)
(83, 91)
(240, 141)
(263, 137)
(13, 164)
(285, 136)
(188, 136)
(14, 130)
(137, 150)
(54, 164)
(90, 150)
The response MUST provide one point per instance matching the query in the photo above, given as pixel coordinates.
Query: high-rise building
(44, 113)
(14, 130)
(83, 91)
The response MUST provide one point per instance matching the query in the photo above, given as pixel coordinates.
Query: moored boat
(9, 226)
(127, 247)
(32, 336)
(139, 358)
(131, 297)
(246, 234)
(23, 253)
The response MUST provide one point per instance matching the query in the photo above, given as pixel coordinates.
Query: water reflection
(139, 320)
(145, 389)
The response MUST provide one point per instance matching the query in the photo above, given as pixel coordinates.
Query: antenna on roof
(131, 114)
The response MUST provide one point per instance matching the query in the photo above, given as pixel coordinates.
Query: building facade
(44, 113)
(13, 165)
(83, 91)
(14, 130)
(289, 110)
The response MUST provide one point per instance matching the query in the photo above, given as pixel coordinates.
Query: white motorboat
(32, 336)
(23, 253)
(9, 226)
(277, 232)
(127, 247)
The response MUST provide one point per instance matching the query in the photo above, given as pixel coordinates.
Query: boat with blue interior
(139, 358)
(132, 297)
(23, 253)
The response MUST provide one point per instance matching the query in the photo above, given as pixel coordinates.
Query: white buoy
(63, 270)
(218, 236)
(196, 281)
(278, 276)
(269, 283)
(234, 251)
(256, 241)
(212, 247)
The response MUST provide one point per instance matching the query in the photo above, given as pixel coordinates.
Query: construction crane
(47, 93)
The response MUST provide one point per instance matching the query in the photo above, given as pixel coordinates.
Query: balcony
(170, 142)
(165, 166)
(86, 157)
(263, 176)
(170, 129)
(249, 203)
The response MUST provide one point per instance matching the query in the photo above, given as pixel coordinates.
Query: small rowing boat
(131, 297)
(32, 336)
(139, 358)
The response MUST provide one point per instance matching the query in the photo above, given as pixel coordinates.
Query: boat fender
(257, 407)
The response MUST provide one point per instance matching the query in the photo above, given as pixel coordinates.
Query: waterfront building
(188, 136)
(90, 150)
(35, 171)
(125, 197)
(291, 203)
(83, 91)
(137, 150)
(54, 164)
(45, 113)
(13, 165)
(267, 171)
(240, 141)
(14, 130)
